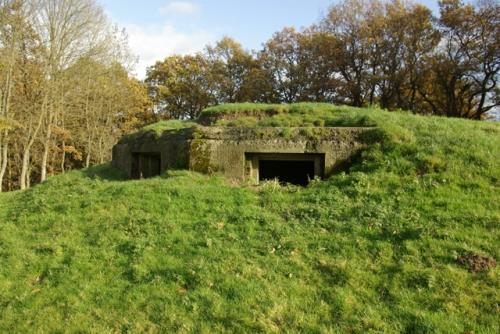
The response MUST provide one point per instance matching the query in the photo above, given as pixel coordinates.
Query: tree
(63, 76)
(348, 23)
(231, 70)
(404, 36)
(10, 35)
(466, 66)
(420, 40)
(69, 30)
(29, 101)
(18, 47)
(318, 63)
(102, 104)
(281, 58)
(179, 87)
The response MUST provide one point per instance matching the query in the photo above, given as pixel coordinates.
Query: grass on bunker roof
(371, 250)
(301, 115)
(156, 129)
(280, 115)
(229, 108)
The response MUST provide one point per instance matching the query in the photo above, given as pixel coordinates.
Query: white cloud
(180, 7)
(156, 42)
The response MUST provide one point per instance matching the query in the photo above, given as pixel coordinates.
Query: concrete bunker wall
(173, 153)
(236, 152)
(237, 155)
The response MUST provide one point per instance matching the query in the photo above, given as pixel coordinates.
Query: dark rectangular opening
(287, 171)
(294, 168)
(146, 165)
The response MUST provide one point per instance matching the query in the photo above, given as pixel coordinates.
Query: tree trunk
(28, 176)
(482, 100)
(5, 98)
(3, 160)
(99, 148)
(45, 154)
(24, 169)
(87, 160)
(89, 149)
(63, 158)
(31, 139)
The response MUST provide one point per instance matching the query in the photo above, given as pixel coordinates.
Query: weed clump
(476, 263)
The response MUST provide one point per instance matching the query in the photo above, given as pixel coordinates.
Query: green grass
(156, 129)
(290, 115)
(230, 108)
(307, 115)
(280, 115)
(371, 250)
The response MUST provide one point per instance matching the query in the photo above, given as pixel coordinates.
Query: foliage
(64, 78)
(389, 53)
(8, 124)
(102, 104)
(233, 72)
(376, 249)
(466, 72)
(179, 86)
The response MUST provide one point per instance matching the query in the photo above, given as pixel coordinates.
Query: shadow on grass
(107, 172)
(104, 172)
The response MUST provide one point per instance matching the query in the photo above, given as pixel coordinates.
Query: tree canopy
(65, 92)
(394, 54)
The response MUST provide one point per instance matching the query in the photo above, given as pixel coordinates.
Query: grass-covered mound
(253, 115)
(232, 108)
(156, 129)
(406, 241)
(283, 115)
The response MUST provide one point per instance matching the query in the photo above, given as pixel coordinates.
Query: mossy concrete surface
(223, 149)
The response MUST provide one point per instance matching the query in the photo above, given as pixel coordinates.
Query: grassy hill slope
(382, 248)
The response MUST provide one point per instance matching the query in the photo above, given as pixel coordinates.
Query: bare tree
(14, 32)
(69, 30)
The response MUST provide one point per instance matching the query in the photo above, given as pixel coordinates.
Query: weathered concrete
(209, 119)
(234, 151)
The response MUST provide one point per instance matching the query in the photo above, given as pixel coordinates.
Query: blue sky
(158, 28)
